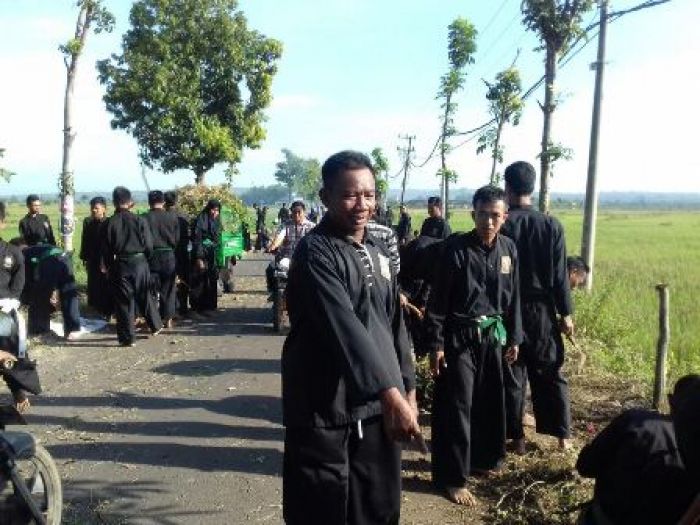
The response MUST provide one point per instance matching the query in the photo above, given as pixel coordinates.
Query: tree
(191, 84)
(310, 180)
(289, 171)
(461, 49)
(268, 194)
(5, 174)
(92, 15)
(558, 25)
(505, 106)
(381, 169)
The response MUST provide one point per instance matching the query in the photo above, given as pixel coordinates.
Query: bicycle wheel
(41, 477)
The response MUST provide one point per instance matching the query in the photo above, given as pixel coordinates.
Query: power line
(495, 15)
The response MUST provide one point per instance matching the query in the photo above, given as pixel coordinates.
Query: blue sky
(356, 74)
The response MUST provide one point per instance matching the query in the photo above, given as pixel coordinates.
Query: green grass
(634, 252)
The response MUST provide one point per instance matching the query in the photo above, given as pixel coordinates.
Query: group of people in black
(494, 305)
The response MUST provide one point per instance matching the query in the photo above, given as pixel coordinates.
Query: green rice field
(619, 320)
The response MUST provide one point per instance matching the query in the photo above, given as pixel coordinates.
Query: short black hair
(31, 198)
(121, 196)
(170, 198)
(434, 201)
(520, 178)
(3, 211)
(487, 194)
(298, 203)
(341, 162)
(685, 407)
(97, 200)
(213, 203)
(155, 197)
(576, 263)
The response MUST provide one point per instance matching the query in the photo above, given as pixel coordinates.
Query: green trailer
(230, 239)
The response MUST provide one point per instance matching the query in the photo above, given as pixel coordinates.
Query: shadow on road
(214, 367)
(108, 502)
(266, 408)
(248, 460)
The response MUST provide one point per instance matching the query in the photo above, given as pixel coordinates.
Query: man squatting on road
(472, 322)
(348, 382)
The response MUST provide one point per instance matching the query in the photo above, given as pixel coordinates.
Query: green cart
(230, 240)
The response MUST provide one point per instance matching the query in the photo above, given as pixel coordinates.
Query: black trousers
(468, 416)
(53, 273)
(163, 276)
(99, 296)
(203, 285)
(334, 477)
(23, 376)
(540, 360)
(182, 268)
(130, 280)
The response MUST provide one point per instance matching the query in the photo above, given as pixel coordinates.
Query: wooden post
(661, 346)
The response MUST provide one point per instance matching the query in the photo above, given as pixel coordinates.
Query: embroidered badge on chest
(7, 262)
(384, 267)
(506, 264)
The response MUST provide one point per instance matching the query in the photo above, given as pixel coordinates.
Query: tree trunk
(199, 176)
(494, 153)
(547, 109)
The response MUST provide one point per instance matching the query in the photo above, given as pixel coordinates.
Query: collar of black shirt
(327, 227)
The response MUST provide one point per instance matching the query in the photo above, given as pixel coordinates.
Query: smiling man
(473, 323)
(348, 383)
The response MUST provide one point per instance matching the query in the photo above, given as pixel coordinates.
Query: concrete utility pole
(591, 206)
(406, 152)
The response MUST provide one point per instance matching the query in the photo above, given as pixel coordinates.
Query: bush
(193, 197)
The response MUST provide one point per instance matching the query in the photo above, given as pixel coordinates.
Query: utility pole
(406, 152)
(591, 206)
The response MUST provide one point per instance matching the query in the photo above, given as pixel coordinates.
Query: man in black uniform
(284, 214)
(99, 296)
(165, 230)
(126, 249)
(182, 253)
(435, 225)
(646, 465)
(35, 226)
(473, 322)
(22, 378)
(348, 383)
(205, 274)
(546, 311)
(49, 269)
(403, 229)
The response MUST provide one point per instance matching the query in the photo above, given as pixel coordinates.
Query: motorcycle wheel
(41, 476)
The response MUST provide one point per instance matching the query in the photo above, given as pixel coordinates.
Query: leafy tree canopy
(6, 175)
(191, 84)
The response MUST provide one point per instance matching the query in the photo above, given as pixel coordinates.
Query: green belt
(495, 322)
(50, 253)
(208, 243)
(128, 256)
(163, 249)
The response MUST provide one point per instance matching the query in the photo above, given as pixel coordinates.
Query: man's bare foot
(564, 444)
(528, 420)
(519, 446)
(461, 496)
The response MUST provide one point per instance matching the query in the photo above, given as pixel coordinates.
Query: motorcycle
(30, 485)
(280, 318)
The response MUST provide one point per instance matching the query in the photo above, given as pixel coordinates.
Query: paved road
(185, 427)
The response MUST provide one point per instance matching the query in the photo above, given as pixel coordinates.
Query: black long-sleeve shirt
(91, 240)
(126, 234)
(472, 280)
(205, 235)
(347, 341)
(403, 229)
(639, 473)
(436, 227)
(36, 229)
(165, 229)
(542, 255)
(11, 271)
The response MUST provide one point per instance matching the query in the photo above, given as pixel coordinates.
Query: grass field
(619, 320)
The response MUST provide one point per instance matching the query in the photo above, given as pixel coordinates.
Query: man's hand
(437, 362)
(199, 263)
(400, 421)
(7, 356)
(411, 398)
(511, 354)
(566, 326)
